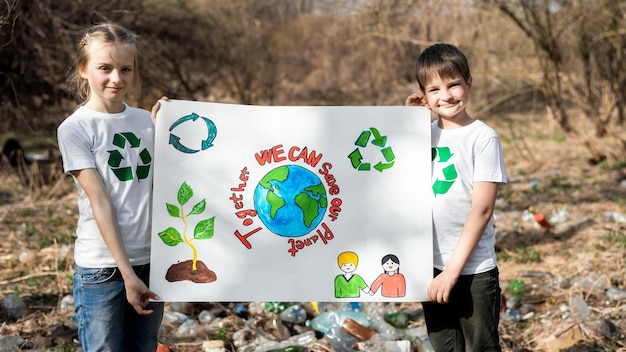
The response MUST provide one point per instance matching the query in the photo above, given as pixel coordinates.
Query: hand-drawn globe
(290, 200)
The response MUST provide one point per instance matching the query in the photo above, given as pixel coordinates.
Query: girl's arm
(483, 204)
(137, 293)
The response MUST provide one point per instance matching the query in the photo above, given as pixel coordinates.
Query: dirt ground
(571, 270)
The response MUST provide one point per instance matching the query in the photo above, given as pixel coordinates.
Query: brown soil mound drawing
(183, 271)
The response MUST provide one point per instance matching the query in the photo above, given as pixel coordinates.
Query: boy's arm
(483, 204)
(137, 292)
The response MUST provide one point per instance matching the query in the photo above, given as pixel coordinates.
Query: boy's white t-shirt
(462, 156)
(120, 147)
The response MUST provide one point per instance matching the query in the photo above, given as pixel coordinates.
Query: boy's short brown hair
(445, 60)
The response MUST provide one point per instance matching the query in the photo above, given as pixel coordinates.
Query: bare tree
(581, 48)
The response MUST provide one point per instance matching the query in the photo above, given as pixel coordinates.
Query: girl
(392, 282)
(107, 147)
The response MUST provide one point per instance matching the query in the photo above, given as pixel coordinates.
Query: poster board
(285, 203)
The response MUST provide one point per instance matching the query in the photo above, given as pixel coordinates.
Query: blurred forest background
(563, 59)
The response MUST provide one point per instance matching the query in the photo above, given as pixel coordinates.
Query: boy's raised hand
(416, 99)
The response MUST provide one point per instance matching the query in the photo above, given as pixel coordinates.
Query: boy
(467, 168)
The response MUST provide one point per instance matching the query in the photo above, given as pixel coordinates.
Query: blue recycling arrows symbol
(204, 145)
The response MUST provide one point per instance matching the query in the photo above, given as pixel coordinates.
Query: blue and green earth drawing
(290, 200)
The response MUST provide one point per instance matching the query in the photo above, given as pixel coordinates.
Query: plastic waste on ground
(14, 305)
(10, 343)
(517, 288)
(326, 320)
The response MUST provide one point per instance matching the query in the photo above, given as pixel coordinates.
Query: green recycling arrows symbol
(356, 158)
(125, 173)
(449, 172)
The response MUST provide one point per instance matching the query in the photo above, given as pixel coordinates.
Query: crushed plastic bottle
(340, 340)
(561, 215)
(580, 306)
(326, 320)
(616, 217)
(189, 328)
(616, 294)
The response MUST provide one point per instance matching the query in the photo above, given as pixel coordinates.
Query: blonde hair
(104, 33)
(347, 257)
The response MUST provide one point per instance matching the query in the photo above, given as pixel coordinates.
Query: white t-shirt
(121, 147)
(460, 157)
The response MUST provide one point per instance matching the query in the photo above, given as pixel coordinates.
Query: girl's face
(448, 97)
(389, 265)
(109, 72)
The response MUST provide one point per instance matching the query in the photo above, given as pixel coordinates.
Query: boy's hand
(416, 99)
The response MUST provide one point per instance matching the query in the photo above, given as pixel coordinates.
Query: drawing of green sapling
(203, 230)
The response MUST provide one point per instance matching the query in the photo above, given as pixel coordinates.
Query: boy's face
(448, 97)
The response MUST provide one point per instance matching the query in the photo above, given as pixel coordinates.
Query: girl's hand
(138, 295)
(416, 99)
(156, 107)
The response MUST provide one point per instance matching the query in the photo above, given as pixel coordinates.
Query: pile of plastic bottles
(297, 327)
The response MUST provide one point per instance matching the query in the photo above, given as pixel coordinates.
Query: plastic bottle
(326, 320)
(517, 288)
(293, 314)
(397, 319)
(174, 317)
(541, 220)
(189, 328)
(14, 305)
(560, 216)
(340, 340)
(617, 217)
(385, 330)
(67, 304)
(276, 307)
(426, 346)
(357, 330)
(580, 306)
(206, 317)
(303, 339)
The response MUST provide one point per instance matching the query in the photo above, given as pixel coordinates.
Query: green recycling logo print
(125, 173)
(356, 158)
(449, 172)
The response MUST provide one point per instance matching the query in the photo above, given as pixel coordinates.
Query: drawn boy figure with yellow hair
(349, 285)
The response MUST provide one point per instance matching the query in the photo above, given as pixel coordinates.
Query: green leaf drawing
(184, 193)
(198, 208)
(171, 236)
(173, 210)
(204, 229)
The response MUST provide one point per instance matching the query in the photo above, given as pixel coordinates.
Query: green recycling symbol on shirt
(125, 173)
(449, 172)
(378, 141)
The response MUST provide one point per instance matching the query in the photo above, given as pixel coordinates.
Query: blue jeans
(471, 316)
(106, 321)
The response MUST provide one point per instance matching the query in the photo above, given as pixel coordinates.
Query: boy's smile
(448, 98)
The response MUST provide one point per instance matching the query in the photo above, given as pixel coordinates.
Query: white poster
(291, 203)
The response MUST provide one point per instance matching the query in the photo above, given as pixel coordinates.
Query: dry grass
(546, 171)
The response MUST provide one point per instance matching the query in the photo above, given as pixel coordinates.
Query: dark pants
(471, 316)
